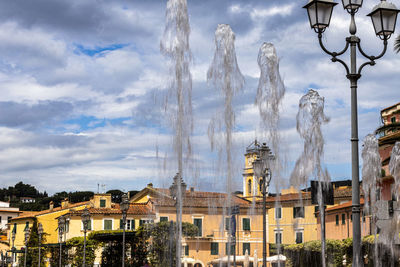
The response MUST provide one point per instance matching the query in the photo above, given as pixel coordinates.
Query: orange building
(388, 134)
(339, 222)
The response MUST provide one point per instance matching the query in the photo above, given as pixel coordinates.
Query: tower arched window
(249, 187)
(261, 185)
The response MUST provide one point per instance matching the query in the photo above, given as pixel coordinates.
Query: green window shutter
(26, 226)
(107, 224)
(199, 224)
(246, 246)
(121, 224)
(141, 222)
(227, 249)
(246, 224)
(214, 248)
(133, 224)
(89, 225)
(343, 218)
(102, 203)
(337, 219)
(15, 228)
(187, 250)
(299, 237)
(163, 219)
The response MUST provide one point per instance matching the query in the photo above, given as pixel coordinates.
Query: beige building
(209, 212)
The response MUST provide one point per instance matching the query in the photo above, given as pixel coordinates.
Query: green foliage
(163, 241)
(32, 258)
(54, 252)
(116, 195)
(76, 247)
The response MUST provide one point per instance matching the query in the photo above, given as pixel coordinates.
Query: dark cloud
(14, 114)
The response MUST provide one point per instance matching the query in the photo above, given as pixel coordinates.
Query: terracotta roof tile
(344, 205)
(134, 209)
(199, 199)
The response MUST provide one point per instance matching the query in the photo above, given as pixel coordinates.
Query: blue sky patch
(91, 122)
(80, 49)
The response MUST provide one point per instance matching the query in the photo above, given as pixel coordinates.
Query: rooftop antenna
(98, 188)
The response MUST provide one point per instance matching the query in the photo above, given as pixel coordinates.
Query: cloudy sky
(82, 81)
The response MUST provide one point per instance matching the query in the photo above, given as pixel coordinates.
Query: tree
(116, 195)
(397, 44)
(75, 248)
(33, 248)
(163, 241)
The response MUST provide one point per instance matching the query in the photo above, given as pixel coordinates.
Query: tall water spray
(310, 118)
(270, 93)
(371, 171)
(178, 103)
(225, 74)
(394, 168)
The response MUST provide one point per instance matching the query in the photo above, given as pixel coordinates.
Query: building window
(227, 251)
(246, 246)
(102, 203)
(246, 224)
(9, 219)
(214, 248)
(186, 250)
(227, 223)
(107, 224)
(343, 218)
(249, 187)
(26, 226)
(163, 219)
(393, 119)
(278, 237)
(199, 223)
(0, 219)
(145, 221)
(298, 212)
(15, 228)
(261, 186)
(337, 219)
(299, 237)
(130, 224)
(278, 213)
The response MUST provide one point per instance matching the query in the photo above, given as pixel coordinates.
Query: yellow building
(209, 212)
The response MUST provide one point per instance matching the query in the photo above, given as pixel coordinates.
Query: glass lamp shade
(258, 167)
(320, 13)
(13, 236)
(85, 217)
(352, 5)
(40, 229)
(384, 18)
(61, 223)
(124, 203)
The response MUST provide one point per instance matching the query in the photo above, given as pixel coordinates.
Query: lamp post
(383, 17)
(262, 173)
(177, 191)
(27, 234)
(124, 208)
(85, 221)
(13, 248)
(40, 232)
(61, 225)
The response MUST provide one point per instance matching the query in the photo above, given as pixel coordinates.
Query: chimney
(150, 185)
(191, 189)
(64, 203)
(51, 207)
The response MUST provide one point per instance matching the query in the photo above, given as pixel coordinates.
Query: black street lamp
(85, 221)
(27, 234)
(177, 191)
(40, 233)
(13, 248)
(124, 208)
(61, 226)
(383, 17)
(262, 172)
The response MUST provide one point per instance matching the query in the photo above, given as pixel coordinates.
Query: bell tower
(251, 186)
